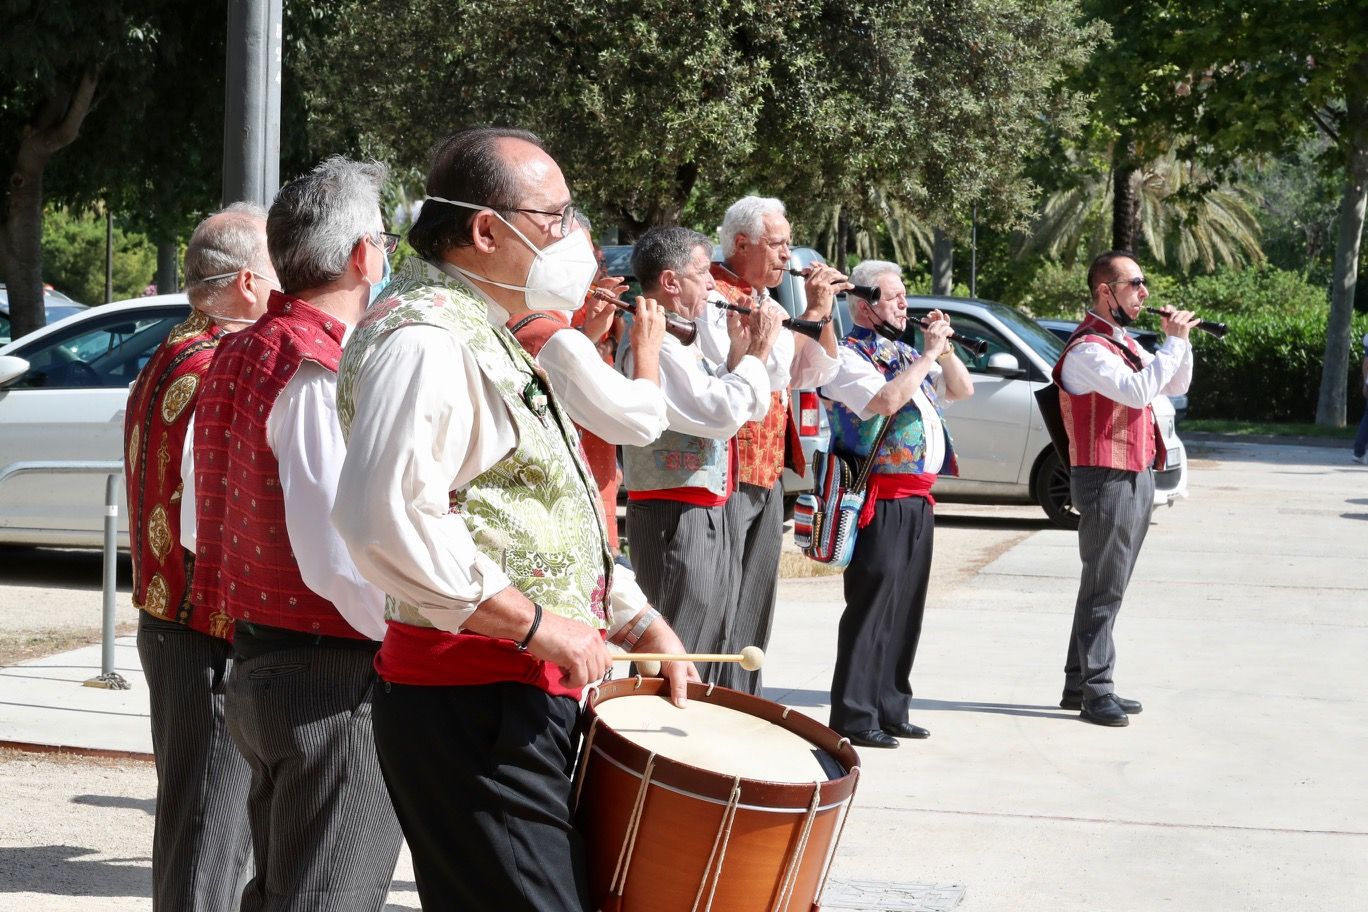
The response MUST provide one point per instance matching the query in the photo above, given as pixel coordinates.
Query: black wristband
(531, 631)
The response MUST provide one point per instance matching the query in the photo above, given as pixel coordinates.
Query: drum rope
(719, 848)
(584, 764)
(618, 885)
(790, 881)
(840, 831)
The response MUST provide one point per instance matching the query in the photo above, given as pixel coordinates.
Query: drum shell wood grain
(685, 807)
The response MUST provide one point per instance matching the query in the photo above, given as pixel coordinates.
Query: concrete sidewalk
(1239, 787)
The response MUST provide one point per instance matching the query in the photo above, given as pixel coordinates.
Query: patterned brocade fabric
(160, 405)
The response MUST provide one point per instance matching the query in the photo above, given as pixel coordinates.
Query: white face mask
(560, 274)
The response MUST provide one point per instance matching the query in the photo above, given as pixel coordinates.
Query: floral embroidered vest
(761, 444)
(1102, 431)
(536, 513)
(158, 417)
(904, 448)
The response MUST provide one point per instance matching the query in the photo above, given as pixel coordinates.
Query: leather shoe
(907, 730)
(1075, 702)
(1104, 710)
(871, 738)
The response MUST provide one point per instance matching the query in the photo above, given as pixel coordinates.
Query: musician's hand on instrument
(1178, 323)
(936, 330)
(767, 321)
(598, 318)
(660, 638)
(823, 283)
(577, 649)
(648, 324)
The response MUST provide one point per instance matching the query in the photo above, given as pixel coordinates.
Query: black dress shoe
(1104, 710)
(871, 738)
(907, 730)
(1075, 702)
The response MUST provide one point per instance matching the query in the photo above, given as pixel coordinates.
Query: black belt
(252, 640)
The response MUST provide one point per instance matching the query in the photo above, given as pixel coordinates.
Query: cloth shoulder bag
(826, 519)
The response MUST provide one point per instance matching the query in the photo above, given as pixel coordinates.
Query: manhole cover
(882, 896)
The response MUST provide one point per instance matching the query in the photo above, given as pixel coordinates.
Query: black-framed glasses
(566, 216)
(389, 242)
(1136, 282)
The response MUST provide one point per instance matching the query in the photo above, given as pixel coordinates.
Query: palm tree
(1184, 218)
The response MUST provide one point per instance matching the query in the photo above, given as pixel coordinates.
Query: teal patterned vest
(904, 448)
(677, 460)
(537, 512)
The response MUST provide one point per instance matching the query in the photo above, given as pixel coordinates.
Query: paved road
(1238, 788)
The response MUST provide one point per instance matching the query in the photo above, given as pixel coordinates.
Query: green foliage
(74, 257)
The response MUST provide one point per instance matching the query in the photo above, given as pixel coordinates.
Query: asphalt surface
(1238, 788)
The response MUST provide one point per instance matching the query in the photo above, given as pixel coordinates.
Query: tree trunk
(168, 273)
(942, 262)
(1330, 405)
(54, 126)
(1125, 196)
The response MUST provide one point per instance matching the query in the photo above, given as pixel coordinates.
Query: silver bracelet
(629, 642)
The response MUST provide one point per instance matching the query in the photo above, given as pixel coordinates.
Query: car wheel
(1052, 491)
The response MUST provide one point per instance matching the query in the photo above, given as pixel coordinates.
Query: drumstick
(751, 658)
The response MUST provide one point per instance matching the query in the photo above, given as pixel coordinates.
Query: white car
(1005, 454)
(63, 392)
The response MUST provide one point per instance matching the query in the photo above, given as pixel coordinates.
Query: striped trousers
(682, 556)
(1114, 509)
(323, 829)
(757, 517)
(201, 844)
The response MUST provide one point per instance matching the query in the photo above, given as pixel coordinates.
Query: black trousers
(885, 595)
(480, 778)
(201, 844)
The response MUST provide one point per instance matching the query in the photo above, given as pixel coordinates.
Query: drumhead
(717, 739)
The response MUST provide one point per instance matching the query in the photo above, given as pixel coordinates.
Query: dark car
(1149, 340)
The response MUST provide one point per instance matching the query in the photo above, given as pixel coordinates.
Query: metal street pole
(251, 122)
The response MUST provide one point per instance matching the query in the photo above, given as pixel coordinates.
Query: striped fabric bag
(826, 520)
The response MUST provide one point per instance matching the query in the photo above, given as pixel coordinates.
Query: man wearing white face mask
(464, 498)
(266, 455)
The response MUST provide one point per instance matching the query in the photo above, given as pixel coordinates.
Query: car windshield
(1045, 343)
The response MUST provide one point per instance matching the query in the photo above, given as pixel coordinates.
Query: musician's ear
(482, 231)
(669, 281)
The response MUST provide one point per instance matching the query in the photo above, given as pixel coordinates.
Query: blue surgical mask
(378, 288)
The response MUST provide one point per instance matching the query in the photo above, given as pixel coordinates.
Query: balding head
(226, 261)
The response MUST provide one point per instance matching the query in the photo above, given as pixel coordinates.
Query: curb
(1287, 440)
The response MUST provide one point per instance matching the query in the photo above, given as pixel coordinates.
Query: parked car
(56, 306)
(1149, 340)
(63, 391)
(808, 414)
(1005, 453)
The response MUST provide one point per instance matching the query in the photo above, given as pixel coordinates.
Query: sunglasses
(1137, 282)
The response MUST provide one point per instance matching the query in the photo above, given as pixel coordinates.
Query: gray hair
(867, 272)
(665, 248)
(583, 221)
(317, 219)
(746, 216)
(221, 246)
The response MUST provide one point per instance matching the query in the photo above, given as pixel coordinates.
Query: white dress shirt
(306, 439)
(427, 422)
(596, 397)
(1091, 367)
(858, 381)
(794, 360)
(707, 400)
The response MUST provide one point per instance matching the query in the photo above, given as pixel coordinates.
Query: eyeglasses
(230, 275)
(1136, 282)
(566, 216)
(388, 242)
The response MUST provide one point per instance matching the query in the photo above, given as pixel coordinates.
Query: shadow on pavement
(964, 521)
(146, 805)
(60, 568)
(60, 870)
(1000, 709)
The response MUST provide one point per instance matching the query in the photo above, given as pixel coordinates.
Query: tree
(1265, 75)
(662, 111)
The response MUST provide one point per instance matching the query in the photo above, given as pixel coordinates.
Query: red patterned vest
(532, 330)
(1102, 431)
(761, 444)
(159, 409)
(244, 563)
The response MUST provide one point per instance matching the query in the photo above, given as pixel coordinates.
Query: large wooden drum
(732, 803)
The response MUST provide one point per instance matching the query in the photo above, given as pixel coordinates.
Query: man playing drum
(463, 496)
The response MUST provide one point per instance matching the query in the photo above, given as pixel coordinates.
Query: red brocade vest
(244, 563)
(763, 445)
(1102, 431)
(159, 409)
(532, 330)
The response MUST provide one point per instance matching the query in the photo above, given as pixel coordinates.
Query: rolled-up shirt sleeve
(596, 397)
(857, 381)
(812, 366)
(427, 422)
(625, 599)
